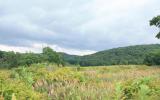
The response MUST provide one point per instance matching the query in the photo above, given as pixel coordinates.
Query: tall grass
(43, 82)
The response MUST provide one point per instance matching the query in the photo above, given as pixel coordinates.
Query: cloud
(37, 47)
(78, 27)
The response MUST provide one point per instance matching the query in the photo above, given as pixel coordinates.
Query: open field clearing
(79, 50)
(135, 82)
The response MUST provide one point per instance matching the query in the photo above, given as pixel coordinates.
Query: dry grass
(88, 83)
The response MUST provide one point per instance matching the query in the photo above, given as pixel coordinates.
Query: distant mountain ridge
(122, 55)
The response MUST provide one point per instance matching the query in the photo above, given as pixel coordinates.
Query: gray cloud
(81, 24)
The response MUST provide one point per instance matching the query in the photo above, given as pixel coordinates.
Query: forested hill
(123, 55)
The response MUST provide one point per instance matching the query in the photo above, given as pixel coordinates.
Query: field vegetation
(50, 82)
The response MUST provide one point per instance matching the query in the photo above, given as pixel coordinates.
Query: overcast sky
(76, 26)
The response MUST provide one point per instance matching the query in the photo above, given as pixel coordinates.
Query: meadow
(49, 82)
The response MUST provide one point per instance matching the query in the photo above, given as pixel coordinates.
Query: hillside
(72, 59)
(121, 55)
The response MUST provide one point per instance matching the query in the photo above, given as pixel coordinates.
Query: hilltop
(122, 55)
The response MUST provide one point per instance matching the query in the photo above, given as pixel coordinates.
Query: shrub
(24, 75)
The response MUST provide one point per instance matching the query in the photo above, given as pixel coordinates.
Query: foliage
(117, 56)
(41, 82)
(131, 89)
(12, 59)
(51, 56)
(156, 22)
(152, 58)
(140, 89)
(9, 59)
(24, 75)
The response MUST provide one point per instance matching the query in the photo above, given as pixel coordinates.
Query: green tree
(152, 58)
(156, 22)
(9, 59)
(51, 56)
(29, 59)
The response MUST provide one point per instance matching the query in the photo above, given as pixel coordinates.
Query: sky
(76, 27)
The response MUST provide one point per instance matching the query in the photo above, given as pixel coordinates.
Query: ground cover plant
(50, 82)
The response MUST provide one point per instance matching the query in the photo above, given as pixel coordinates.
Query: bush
(141, 89)
(23, 74)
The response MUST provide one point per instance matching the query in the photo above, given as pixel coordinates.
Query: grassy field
(131, 82)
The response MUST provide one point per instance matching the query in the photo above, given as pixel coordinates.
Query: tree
(156, 22)
(9, 59)
(29, 58)
(152, 58)
(51, 56)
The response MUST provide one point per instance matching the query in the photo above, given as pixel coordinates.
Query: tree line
(136, 55)
(14, 59)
